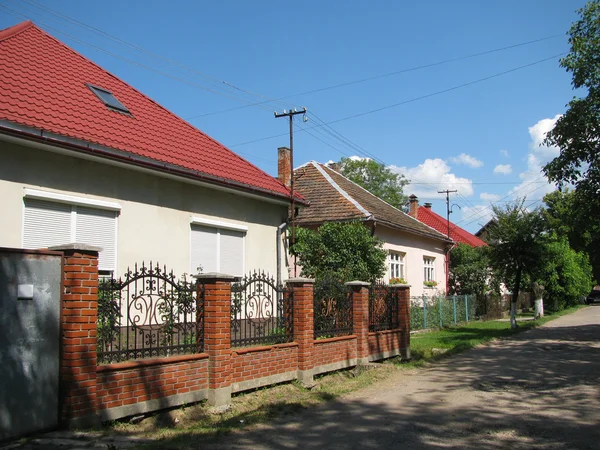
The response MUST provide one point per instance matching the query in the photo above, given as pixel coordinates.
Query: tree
(377, 179)
(570, 215)
(346, 251)
(469, 270)
(565, 274)
(517, 242)
(576, 132)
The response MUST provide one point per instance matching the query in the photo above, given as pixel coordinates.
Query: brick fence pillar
(217, 335)
(304, 324)
(360, 318)
(404, 319)
(79, 316)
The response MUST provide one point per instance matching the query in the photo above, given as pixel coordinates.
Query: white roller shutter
(98, 227)
(204, 247)
(46, 224)
(231, 255)
(217, 250)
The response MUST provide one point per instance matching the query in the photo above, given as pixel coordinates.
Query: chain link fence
(441, 311)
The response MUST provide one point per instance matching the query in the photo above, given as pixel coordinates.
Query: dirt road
(539, 390)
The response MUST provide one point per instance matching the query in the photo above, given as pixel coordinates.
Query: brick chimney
(427, 205)
(284, 166)
(414, 206)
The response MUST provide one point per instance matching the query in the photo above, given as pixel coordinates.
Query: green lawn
(436, 344)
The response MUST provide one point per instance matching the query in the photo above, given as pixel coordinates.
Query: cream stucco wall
(415, 248)
(154, 220)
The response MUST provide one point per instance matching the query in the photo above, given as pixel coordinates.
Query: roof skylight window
(108, 99)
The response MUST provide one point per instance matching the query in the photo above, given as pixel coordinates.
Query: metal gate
(29, 341)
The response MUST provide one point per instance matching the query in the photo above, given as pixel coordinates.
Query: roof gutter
(128, 160)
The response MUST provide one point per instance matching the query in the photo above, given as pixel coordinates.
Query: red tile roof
(428, 217)
(43, 84)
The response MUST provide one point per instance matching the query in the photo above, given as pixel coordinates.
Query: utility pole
(291, 115)
(447, 192)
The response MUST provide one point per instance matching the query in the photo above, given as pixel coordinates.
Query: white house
(85, 157)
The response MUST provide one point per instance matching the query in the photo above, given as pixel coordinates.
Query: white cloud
(433, 175)
(504, 153)
(467, 160)
(534, 185)
(489, 197)
(538, 134)
(504, 169)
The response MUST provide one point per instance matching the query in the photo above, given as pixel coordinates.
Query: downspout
(280, 229)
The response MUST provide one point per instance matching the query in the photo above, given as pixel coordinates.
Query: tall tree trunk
(515, 297)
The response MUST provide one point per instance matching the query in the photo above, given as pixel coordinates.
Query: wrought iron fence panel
(332, 309)
(148, 313)
(261, 311)
(383, 307)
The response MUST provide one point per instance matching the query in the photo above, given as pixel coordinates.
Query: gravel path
(538, 390)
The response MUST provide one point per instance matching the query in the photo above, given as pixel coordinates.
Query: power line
(218, 90)
(422, 97)
(397, 72)
(487, 209)
(157, 56)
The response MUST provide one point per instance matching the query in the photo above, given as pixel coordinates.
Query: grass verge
(426, 347)
(192, 427)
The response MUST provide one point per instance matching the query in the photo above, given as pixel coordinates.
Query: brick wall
(91, 393)
(126, 384)
(335, 353)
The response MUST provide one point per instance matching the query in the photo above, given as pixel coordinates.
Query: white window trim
(218, 224)
(429, 263)
(401, 262)
(71, 199)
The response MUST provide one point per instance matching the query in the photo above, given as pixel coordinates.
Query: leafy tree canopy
(377, 179)
(346, 251)
(570, 215)
(469, 270)
(576, 132)
(565, 274)
(517, 238)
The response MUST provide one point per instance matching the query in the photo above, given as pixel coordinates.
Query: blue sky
(202, 60)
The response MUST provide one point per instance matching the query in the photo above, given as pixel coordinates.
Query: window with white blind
(215, 249)
(396, 262)
(47, 223)
(429, 268)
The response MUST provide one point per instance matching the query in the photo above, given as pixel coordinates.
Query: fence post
(466, 308)
(79, 317)
(304, 324)
(454, 302)
(440, 308)
(424, 312)
(217, 335)
(360, 318)
(404, 319)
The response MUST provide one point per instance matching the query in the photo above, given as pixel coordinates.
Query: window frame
(428, 268)
(397, 260)
(219, 226)
(117, 105)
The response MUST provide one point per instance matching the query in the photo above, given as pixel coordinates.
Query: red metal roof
(428, 217)
(43, 84)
